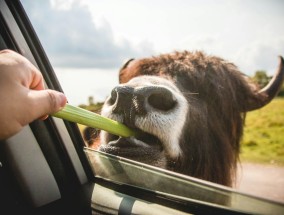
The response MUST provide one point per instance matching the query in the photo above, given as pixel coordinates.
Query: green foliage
(263, 139)
(281, 92)
(261, 78)
(92, 106)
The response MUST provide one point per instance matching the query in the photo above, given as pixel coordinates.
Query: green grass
(263, 140)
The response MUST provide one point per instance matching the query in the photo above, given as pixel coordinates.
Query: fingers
(21, 70)
(36, 83)
(45, 102)
(22, 94)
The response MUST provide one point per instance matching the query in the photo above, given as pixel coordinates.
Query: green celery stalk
(88, 118)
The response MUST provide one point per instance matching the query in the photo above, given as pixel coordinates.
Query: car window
(88, 43)
(179, 186)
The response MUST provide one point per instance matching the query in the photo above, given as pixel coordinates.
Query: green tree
(91, 100)
(261, 78)
(281, 92)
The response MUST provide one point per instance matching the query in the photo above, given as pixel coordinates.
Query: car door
(39, 172)
(47, 168)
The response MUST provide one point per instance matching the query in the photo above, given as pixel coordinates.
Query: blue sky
(102, 34)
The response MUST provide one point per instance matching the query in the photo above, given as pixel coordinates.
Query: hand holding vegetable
(22, 94)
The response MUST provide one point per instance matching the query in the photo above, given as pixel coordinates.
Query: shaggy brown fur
(218, 96)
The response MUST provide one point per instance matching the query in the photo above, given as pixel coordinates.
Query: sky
(103, 34)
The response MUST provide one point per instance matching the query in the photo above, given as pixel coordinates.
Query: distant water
(79, 84)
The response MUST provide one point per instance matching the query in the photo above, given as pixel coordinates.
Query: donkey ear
(123, 71)
(265, 95)
(126, 62)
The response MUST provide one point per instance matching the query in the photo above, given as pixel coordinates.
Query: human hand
(23, 97)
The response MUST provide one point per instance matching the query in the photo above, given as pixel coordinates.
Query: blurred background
(91, 39)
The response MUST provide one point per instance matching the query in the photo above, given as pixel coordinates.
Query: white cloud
(103, 33)
(71, 38)
(61, 4)
(207, 43)
(260, 55)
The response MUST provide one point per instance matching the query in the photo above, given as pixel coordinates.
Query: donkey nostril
(113, 97)
(121, 99)
(162, 100)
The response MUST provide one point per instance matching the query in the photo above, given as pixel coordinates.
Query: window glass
(179, 186)
(88, 42)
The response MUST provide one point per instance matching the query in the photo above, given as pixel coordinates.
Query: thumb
(46, 102)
